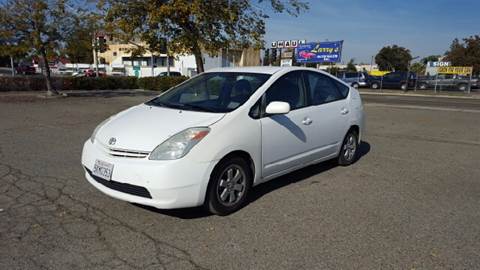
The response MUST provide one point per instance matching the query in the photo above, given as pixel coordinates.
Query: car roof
(256, 69)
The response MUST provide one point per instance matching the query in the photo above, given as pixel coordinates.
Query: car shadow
(262, 189)
(301, 174)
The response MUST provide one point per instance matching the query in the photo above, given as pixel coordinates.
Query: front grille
(122, 187)
(126, 153)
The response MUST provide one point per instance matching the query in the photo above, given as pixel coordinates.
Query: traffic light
(102, 44)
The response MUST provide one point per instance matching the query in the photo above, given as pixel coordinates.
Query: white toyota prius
(209, 140)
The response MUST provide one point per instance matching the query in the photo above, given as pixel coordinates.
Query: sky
(426, 27)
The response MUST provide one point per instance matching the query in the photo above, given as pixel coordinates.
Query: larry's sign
(319, 52)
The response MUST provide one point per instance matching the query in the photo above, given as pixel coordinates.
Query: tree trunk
(51, 91)
(198, 59)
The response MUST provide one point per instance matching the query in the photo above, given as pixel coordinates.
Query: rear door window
(323, 89)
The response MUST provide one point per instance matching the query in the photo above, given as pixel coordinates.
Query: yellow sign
(378, 72)
(455, 70)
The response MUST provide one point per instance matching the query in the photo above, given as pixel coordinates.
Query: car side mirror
(278, 107)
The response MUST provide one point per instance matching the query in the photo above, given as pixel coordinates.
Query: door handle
(344, 111)
(307, 121)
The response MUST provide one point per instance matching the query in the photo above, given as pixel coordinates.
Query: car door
(285, 143)
(329, 112)
(390, 79)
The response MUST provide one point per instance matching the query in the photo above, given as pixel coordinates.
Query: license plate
(103, 169)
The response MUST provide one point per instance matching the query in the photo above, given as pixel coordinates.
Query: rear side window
(324, 89)
(342, 88)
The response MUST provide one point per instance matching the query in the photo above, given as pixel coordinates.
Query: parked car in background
(354, 79)
(118, 71)
(446, 81)
(394, 80)
(25, 70)
(93, 73)
(172, 74)
(209, 140)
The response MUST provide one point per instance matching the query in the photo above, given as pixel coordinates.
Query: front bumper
(160, 184)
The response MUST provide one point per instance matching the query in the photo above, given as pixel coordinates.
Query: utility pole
(371, 64)
(168, 57)
(152, 58)
(96, 56)
(95, 52)
(11, 64)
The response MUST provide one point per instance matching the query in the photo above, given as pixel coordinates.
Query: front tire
(349, 150)
(355, 85)
(229, 186)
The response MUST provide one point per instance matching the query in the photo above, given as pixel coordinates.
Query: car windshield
(217, 92)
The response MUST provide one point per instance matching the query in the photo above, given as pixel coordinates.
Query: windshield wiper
(197, 107)
(183, 106)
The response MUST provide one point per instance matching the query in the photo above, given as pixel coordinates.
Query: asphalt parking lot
(412, 201)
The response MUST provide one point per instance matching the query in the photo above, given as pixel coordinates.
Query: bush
(159, 83)
(37, 83)
(101, 83)
(22, 83)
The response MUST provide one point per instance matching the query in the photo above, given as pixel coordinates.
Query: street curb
(416, 95)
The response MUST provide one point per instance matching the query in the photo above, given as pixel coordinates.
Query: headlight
(92, 138)
(179, 144)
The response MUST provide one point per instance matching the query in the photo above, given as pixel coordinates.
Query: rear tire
(349, 150)
(375, 85)
(422, 86)
(229, 186)
(403, 86)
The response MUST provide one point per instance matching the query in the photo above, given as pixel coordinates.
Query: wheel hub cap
(231, 186)
(350, 148)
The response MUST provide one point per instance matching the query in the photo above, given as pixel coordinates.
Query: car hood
(144, 127)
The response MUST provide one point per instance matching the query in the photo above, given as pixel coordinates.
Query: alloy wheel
(232, 185)
(350, 147)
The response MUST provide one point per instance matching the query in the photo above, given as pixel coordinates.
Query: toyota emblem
(112, 141)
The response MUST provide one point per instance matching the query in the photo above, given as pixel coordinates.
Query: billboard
(455, 70)
(319, 52)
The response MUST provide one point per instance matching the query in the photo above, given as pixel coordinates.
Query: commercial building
(119, 58)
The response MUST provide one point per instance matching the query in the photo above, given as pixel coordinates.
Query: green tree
(351, 66)
(334, 70)
(274, 58)
(393, 58)
(430, 58)
(11, 47)
(78, 46)
(195, 26)
(418, 67)
(466, 53)
(40, 26)
(266, 57)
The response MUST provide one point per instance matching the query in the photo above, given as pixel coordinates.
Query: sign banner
(319, 52)
(439, 64)
(293, 43)
(455, 70)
